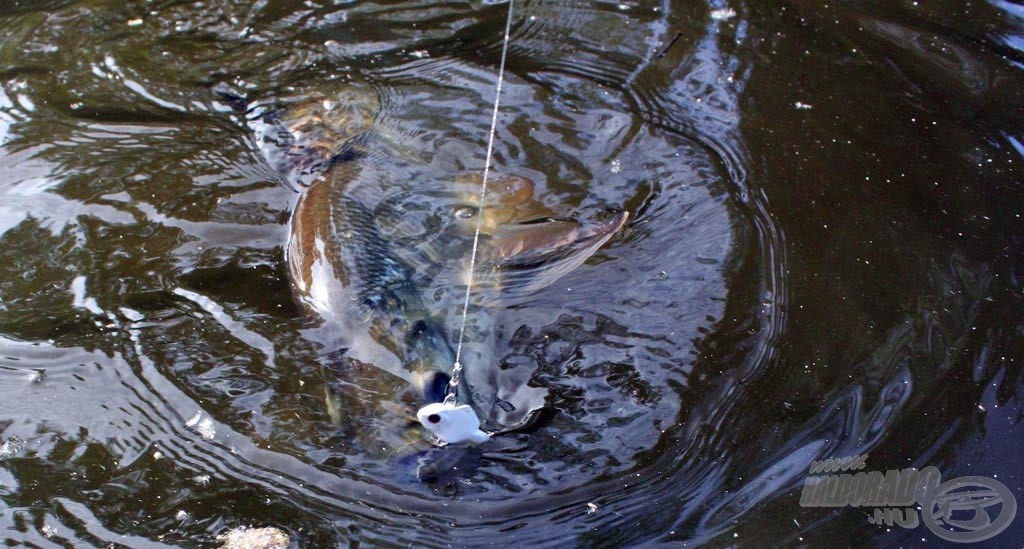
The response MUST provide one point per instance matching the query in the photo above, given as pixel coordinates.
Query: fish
(389, 353)
(344, 274)
(386, 352)
(360, 297)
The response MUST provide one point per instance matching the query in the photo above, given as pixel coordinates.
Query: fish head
(509, 199)
(502, 190)
(334, 120)
(430, 358)
(306, 137)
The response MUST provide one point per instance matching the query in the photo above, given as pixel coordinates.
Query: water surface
(823, 260)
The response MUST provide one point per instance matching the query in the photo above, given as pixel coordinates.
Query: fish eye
(418, 328)
(434, 418)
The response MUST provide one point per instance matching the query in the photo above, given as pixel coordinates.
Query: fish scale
(384, 283)
(363, 300)
(368, 315)
(345, 273)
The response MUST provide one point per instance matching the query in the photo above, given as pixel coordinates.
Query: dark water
(823, 260)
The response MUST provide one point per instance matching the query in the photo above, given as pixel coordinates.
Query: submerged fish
(380, 339)
(344, 273)
(367, 310)
(387, 352)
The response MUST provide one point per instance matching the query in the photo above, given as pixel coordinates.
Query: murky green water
(823, 260)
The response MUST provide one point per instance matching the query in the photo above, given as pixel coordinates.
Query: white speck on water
(616, 166)
(802, 106)
(11, 446)
(80, 300)
(201, 480)
(48, 531)
(26, 102)
(202, 425)
(130, 314)
(723, 14)
(158, 455)
(591, 508)
(181, 516)
(420, 54)
(135, 22)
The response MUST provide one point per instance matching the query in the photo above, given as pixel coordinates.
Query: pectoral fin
(538, 237)
(521, 259)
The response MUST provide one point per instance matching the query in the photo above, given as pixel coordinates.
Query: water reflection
(821, 262)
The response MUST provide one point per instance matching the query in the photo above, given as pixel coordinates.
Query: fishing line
(457, 367)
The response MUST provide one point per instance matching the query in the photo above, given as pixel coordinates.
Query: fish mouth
(430, 358)
(431, 385)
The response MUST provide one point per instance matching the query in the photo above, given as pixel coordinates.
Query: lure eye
(434, 418)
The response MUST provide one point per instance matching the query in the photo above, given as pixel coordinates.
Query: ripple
(686, 374)
(943, 58)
